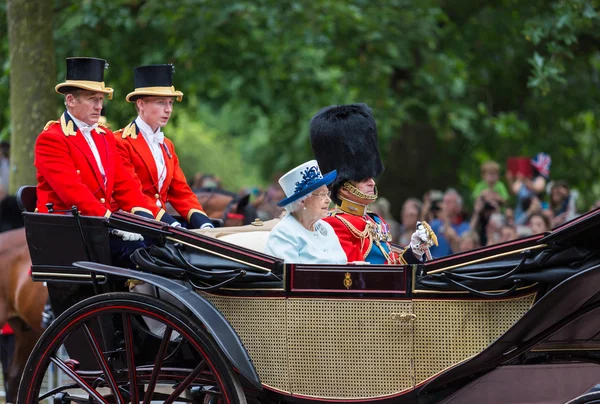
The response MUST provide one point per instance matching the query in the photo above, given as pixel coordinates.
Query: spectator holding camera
(528, 187)
(562, 203)
(432, 202)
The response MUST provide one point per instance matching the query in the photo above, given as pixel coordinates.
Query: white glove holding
(175, 224)
(421, 240)
(126, 235)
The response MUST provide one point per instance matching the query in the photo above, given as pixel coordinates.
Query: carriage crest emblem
(347, 280)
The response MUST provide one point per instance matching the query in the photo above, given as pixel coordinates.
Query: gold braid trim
(355, 191)
(361, 235)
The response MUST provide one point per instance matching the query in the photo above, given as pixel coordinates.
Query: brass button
(78, 172)
(156, 196)
(102, 200)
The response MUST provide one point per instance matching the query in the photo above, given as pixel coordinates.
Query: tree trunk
(32, 79)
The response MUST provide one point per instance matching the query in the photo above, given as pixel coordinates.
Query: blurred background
(465, 94)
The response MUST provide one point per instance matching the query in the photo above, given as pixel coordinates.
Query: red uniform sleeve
(53, 161)
(180, 195)
(350, 244)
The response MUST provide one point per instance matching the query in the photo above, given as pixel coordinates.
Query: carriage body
(353, 333)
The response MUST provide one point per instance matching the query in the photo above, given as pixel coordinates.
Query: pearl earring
(304, 208)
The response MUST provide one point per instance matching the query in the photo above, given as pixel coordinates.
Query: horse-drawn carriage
(510, 323)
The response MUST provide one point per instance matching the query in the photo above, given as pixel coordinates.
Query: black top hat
(156, 80)
(344, 138)
(87, 74)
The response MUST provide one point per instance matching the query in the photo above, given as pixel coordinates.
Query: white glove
(126, 235)
(175, 224)
(420, 240)
(207, 226)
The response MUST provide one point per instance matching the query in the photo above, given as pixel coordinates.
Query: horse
(21, 300)
(227, 206)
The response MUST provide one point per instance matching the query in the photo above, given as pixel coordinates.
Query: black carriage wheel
(207, 366)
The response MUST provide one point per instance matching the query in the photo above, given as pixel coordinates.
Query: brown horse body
(21, 302)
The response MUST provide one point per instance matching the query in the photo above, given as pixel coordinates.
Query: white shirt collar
(82, 125)
(157, 136)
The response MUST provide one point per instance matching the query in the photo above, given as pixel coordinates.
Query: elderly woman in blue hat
(301, 236)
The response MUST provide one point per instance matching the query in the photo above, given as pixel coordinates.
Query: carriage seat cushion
(254, 240)
(252, 236)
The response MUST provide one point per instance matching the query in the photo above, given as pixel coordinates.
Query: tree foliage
(451, 83)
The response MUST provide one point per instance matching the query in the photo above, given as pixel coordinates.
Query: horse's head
(227, 206)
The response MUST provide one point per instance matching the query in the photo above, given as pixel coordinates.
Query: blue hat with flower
(302, 180)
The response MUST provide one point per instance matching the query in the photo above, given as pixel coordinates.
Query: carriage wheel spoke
(103, 364)
(184, 384)
(160, 356)
(80, 382)
(130, 353)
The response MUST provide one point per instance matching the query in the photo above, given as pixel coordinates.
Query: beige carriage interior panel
(260, 324)
(449, 331)
(346, 348)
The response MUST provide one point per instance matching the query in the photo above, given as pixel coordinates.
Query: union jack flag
(542, 162)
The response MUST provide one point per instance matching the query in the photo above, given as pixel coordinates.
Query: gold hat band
(95, 86)
(156, 91)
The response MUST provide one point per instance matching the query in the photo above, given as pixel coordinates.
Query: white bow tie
(157, 137)
(88, 128)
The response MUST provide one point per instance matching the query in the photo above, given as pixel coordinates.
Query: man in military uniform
(149, 156)
(76, 158)
(344, 138)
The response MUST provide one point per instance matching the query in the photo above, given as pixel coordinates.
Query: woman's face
(537, 225)
(317, 204)
(558, 194)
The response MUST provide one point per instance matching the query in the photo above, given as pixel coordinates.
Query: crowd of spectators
(527, 201)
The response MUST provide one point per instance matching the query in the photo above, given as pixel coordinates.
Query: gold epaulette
(49, 123)
(129, 131)
(103, 125)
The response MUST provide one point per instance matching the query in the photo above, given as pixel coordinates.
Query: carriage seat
(27, 198)
(253, 236)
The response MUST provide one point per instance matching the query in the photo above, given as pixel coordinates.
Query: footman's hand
(127, 236)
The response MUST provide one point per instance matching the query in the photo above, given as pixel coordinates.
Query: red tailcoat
(139, 162)
(68, 174)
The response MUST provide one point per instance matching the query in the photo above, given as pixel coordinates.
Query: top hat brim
(154, 91)
(326, 180)
(95, 86)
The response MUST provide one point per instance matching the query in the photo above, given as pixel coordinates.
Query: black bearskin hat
(344, 138)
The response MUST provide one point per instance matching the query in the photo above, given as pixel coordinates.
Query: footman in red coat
(149, 156)
(76, 158)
